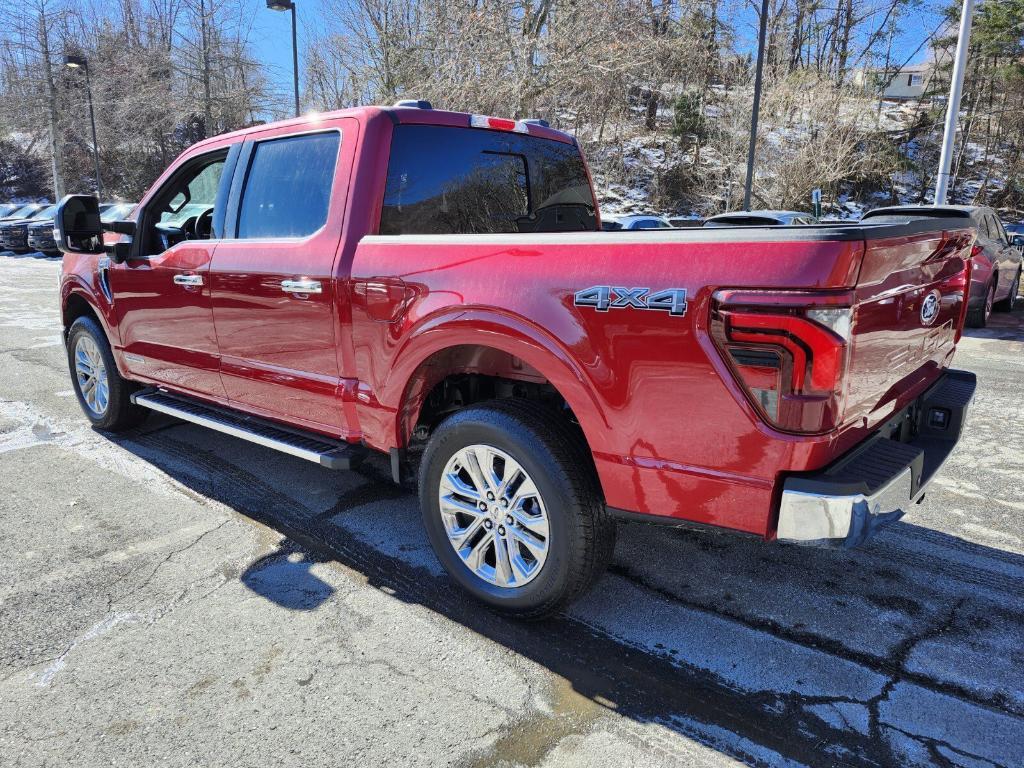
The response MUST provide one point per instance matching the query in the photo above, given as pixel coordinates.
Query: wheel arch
(497, 346)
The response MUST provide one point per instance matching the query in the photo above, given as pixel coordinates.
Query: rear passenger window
(446, 180)
(983, 228)
(288, 187)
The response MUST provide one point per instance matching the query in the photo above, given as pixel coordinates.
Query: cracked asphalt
(174, 596)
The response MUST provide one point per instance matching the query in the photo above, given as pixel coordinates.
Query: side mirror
(77, 225)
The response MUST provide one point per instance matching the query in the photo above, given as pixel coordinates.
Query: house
(908, 83)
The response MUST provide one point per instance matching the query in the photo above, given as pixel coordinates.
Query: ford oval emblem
(930, 308)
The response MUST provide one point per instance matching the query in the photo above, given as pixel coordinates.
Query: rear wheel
(103, 394)
(978, 316)
(1007, 304)
(512, 508)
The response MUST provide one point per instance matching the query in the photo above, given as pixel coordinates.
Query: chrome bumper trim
(843, 521)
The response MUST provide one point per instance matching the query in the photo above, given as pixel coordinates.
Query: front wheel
(103, 394)
(512, 508)
(978, 317)
(1008, 304)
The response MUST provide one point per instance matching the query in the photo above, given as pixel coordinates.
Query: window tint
(288, 188)
(444, 180)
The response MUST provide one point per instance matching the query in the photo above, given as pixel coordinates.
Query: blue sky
(271, 36)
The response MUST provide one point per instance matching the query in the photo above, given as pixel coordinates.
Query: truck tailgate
(908, 315)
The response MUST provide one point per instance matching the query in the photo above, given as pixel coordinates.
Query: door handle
(192, 280)
(301, 286)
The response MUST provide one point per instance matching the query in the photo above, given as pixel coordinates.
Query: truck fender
(77, 295)
(411, 376)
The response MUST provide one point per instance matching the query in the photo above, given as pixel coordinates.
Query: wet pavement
(177, 596)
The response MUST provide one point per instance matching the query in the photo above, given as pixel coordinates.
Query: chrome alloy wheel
(494, 516)
(91, 374)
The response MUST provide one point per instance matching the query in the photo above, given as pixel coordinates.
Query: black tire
(1007, 304)
(977, 317)
(120, 413)
(554, 455)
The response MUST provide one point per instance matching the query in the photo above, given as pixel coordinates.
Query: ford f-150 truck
(436, 286)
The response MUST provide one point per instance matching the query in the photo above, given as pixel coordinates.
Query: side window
(288, 187)
(1000, 232)
(447, 180)
(184, 208)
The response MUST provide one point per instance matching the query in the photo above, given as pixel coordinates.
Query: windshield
(25, 212)
(46, 213)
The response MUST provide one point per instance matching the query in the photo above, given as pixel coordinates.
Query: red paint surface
(671, 431)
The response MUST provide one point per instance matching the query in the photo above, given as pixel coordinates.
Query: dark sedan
(995, 276)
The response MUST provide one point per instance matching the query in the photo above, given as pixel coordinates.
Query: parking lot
(175, 596)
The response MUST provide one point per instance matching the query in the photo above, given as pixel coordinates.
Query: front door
(275, 299)
(162, 293)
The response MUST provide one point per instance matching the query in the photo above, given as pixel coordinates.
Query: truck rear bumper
(877, 482)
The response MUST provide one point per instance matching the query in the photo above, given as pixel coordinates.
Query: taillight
(789, 352)
(960, 283)
(498, 123)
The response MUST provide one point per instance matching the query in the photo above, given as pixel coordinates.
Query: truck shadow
(907, 650)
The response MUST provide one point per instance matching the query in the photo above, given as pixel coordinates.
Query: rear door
(275, 300)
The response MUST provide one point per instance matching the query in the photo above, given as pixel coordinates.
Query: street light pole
(289, 5)
(762, 32)
(80, 62)
(953, 107)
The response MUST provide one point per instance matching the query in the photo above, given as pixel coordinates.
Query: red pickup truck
(436, 286)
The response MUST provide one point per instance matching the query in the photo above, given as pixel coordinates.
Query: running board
(305, 445)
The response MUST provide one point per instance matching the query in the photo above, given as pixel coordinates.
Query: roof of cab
(398, 115)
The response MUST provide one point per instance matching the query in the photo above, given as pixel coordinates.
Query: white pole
(953, 107)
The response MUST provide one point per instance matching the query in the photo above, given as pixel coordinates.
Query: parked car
(996, 272)
(642, 221)
(416, 282)
(116, 211)
(680, 222)
(8, 208)
(23, 211)
(759, 219)
(14, 231)
(1016, 233)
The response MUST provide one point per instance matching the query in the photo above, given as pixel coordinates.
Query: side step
(305, 445)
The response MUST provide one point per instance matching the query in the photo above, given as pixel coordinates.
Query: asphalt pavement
(173, 596)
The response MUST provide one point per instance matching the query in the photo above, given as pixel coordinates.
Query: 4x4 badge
(606, 297)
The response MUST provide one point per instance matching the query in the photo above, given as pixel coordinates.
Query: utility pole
(205, 35)
(56, 164)
(749, 184)
(953, 107)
